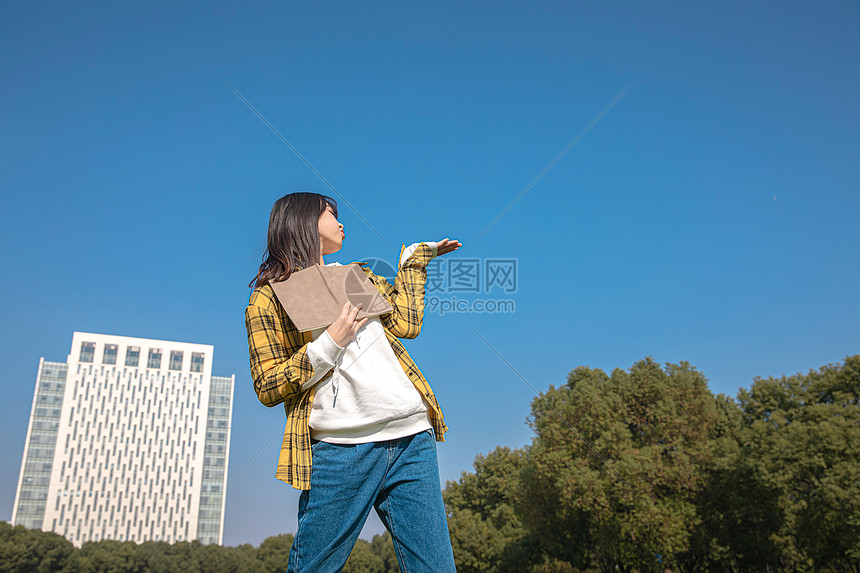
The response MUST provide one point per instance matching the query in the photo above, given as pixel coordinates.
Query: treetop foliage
(24, 550)
(646, 470)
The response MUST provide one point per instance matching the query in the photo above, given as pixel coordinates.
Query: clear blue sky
(711, 215)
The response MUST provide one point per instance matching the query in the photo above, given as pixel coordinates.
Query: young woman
(362, 421)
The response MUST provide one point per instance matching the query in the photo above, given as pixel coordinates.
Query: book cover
(314, 297)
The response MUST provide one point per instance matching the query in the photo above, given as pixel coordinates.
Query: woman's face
(331, 232)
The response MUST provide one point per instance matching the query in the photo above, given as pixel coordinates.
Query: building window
(88, 351)
(197, 362)
(132, 356)
(154, 360)
(175, 360)
(109, 354)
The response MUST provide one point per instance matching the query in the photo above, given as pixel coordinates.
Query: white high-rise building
(128, 440)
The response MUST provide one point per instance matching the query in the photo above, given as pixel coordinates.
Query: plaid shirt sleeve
(406, 296)
(279, 360)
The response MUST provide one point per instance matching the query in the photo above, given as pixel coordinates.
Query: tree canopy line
(638, 470)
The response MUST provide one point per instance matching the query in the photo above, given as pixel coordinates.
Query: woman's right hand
(344, 328)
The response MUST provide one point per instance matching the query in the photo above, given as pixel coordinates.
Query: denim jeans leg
(411, 508)
(345, 480)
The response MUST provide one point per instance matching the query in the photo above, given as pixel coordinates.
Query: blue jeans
(400, 478)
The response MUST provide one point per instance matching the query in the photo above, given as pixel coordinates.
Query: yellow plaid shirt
(279, 361)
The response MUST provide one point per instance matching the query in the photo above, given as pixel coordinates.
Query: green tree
(486, 532)
(613, 473)
(274, 553)
(802, 440)
(107, 556)
(739, 513)
(152, 557)
(383, 546)
(362, 559)
(28, 550)
(216, 559)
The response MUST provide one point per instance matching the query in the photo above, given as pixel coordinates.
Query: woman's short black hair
(293, 240)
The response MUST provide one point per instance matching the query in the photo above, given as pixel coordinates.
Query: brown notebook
(314, 297)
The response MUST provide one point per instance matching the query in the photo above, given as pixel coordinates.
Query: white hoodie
(368, 397)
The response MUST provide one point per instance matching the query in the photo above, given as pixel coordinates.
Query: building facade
(128, 439)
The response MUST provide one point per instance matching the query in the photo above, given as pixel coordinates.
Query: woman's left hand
(446, 246)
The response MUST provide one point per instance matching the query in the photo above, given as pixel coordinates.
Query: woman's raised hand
(344, 328)
(446, 246)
